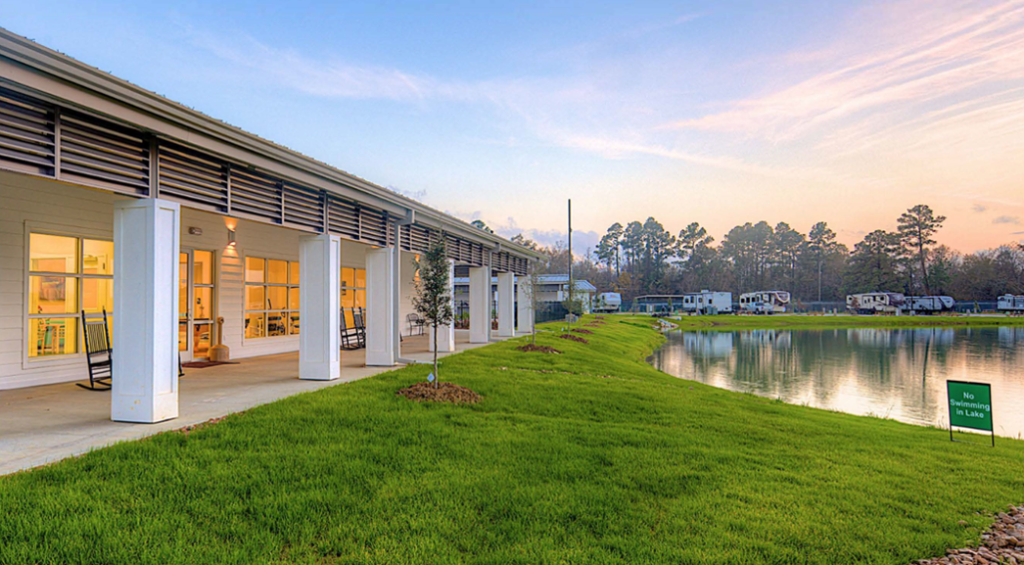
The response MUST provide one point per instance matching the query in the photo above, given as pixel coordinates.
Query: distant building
(552, 289)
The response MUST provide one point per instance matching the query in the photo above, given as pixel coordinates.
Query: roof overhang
(50, 74)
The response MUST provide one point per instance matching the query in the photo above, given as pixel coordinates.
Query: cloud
(979, 208)
(582, 240)
(417, 195)
(1012, 220)
(940, 51)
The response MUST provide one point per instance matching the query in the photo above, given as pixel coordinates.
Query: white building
(552, 289)
(115, 198)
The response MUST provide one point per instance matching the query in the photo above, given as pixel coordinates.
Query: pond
(896, 373)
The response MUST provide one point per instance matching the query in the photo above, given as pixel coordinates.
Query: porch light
(231, 237)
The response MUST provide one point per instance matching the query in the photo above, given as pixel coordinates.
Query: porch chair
(349, 334)
(359, 321)
(415, 323)
(99, 354)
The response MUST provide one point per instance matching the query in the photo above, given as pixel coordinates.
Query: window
(271, 297)
(67, 275)
(353, 292)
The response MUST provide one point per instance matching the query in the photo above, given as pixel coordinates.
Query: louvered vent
(454, 250)
(192, 177)
(501, 261)
(303, 207)
(100, 153)
(419, 238)
(27, 134)
(256, 194)
(343, 218)
(477, 254)
(373, 227)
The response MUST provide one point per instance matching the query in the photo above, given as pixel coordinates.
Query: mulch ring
(538, 348)
(445, 392)
(581, 331)
(575, 338)
(1002, 543)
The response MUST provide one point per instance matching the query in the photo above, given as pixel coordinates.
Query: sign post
(970, 406)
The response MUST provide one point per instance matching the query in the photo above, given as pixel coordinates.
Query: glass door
(196, 315)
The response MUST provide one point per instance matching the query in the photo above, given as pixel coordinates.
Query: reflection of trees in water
(904, 369)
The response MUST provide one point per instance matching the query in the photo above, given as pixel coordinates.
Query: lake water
(899, 373)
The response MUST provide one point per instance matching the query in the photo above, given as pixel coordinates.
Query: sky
(719, 112)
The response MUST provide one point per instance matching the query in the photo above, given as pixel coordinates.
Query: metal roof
(23, 62)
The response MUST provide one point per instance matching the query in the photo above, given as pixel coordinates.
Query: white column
(506, 305)
(446, 333)
(525, 305)
(380, 308)
(319, 309)
(145, 369)
(479, 304)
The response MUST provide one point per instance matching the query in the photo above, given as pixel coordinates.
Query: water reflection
(898, 373)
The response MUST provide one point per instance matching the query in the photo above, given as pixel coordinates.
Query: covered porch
(43, 424)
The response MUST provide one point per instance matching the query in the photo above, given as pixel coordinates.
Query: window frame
(287, 285)
(80, 234)
(355, 289)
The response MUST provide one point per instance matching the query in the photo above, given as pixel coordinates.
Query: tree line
(645, 258)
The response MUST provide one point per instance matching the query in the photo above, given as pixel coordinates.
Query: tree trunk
(437, 377)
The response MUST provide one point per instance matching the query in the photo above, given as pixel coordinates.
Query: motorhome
(608, 302)
(765, 302)
(1011, 304)
(875, 303)
(928, 304)
(707, 302)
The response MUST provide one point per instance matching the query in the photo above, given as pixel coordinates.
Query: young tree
(433, 299)
(916, 227)
(531, 292)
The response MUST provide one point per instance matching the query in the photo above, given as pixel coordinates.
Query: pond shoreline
(890, 372)
(839, 321)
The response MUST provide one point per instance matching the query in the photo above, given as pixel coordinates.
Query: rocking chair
(99, 355)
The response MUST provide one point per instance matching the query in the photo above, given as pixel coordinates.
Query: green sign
(970, 405)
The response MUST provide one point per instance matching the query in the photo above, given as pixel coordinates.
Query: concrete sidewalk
(40, 425)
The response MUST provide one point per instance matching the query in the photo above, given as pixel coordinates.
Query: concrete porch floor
(40, 425)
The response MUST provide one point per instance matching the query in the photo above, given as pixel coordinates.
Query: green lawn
(586, 457)
(808, 322)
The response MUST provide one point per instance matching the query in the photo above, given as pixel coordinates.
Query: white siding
(32, 203)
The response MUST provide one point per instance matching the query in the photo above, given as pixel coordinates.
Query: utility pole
(571, 283)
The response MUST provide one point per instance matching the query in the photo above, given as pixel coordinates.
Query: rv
(707, 302)
(608, 302)
(875, 303)
(765, 302)
(928, 304)
(1011, 304)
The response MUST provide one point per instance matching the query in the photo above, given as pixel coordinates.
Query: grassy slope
(551, 467)
(805, 322)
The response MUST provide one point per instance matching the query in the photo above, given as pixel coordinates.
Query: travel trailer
(608, 302)
(928, 304)
(875, 303)
(707, 302)
(1011, 304)
(765, 302)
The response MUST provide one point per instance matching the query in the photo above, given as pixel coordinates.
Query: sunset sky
(720, 113)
